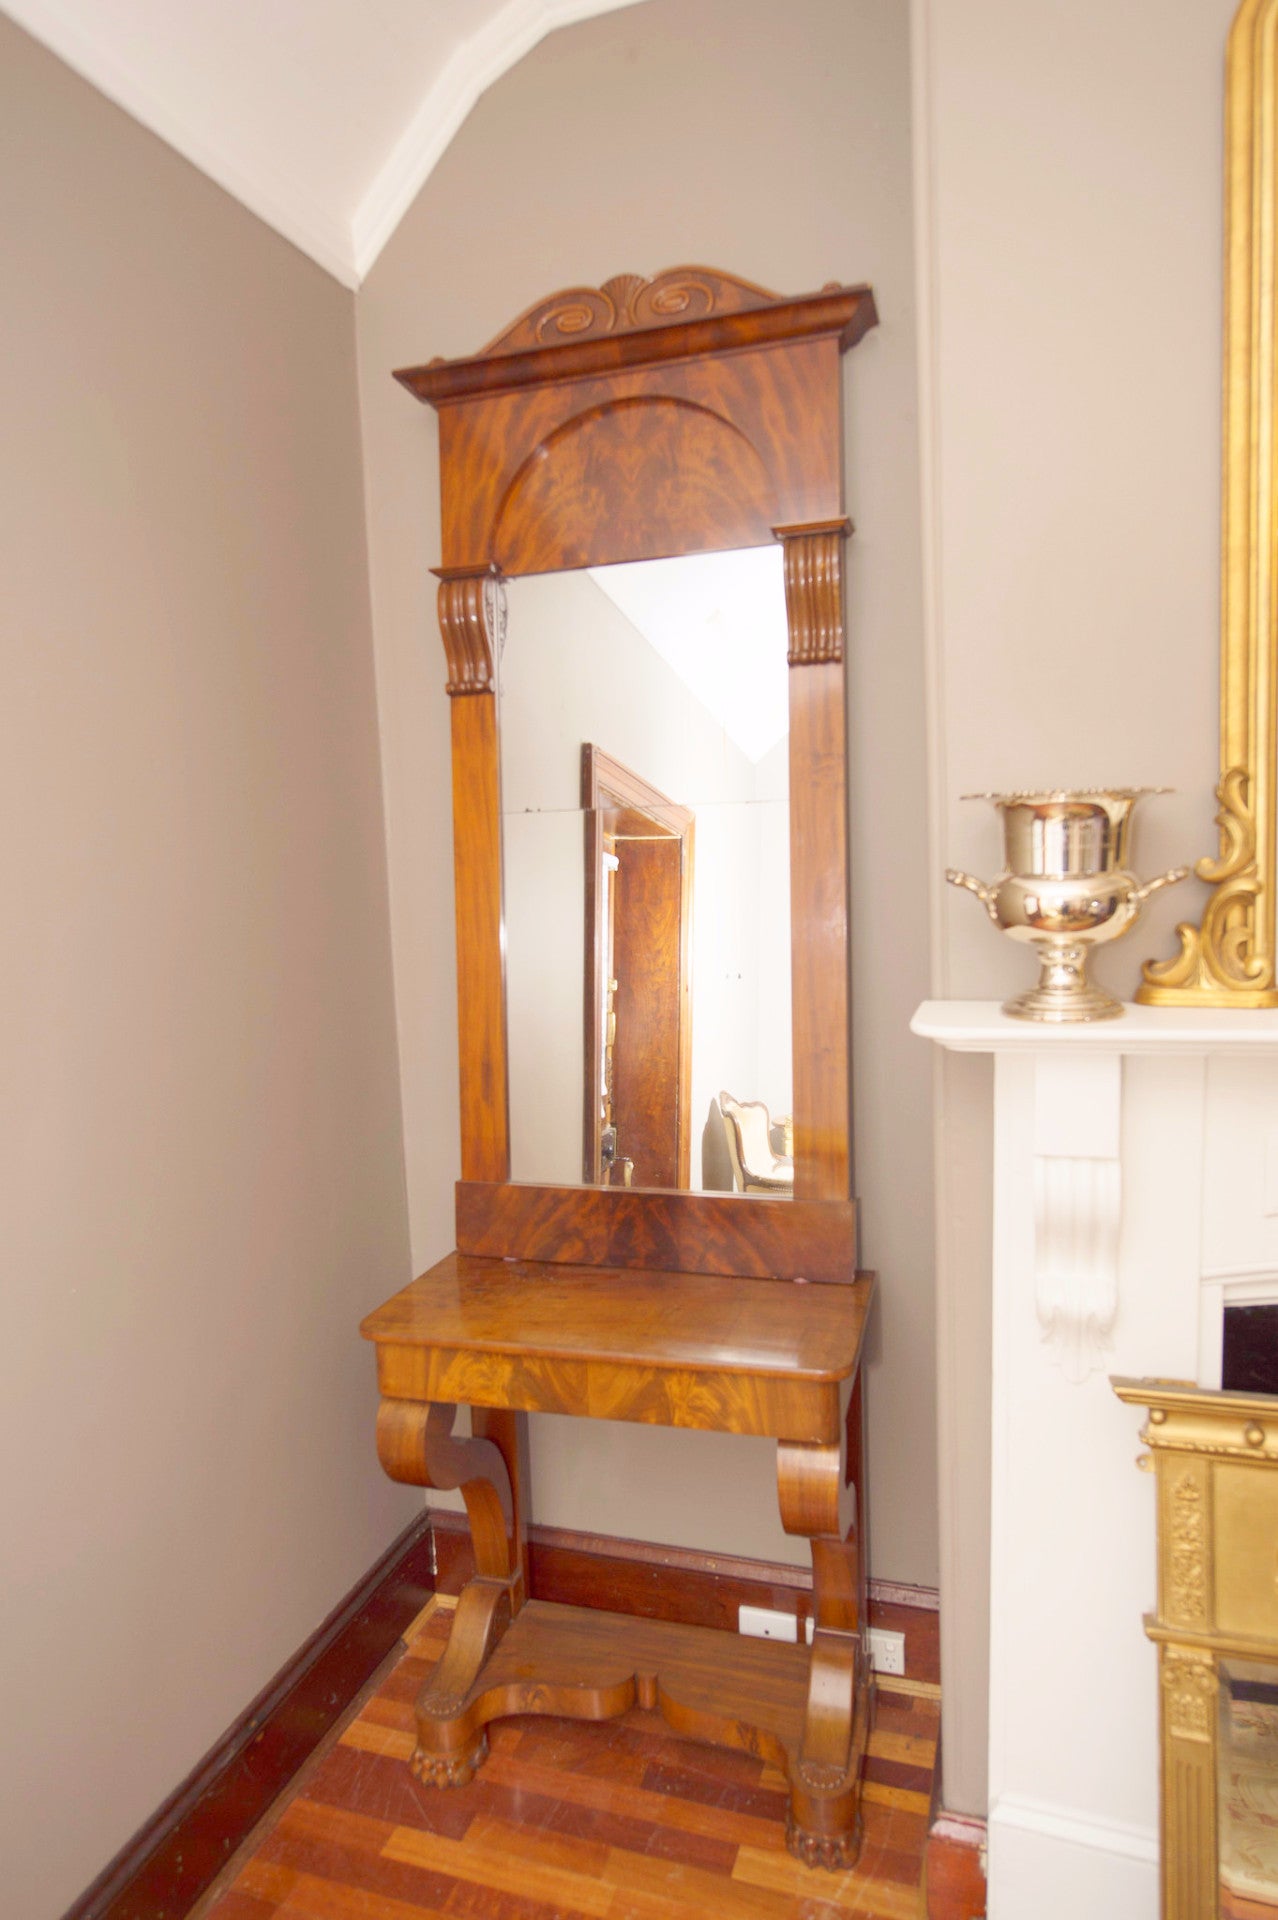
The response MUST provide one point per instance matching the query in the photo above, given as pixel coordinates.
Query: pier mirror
(681, 419)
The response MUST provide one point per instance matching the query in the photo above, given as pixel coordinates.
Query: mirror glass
(1247, 1789)
(643, 715)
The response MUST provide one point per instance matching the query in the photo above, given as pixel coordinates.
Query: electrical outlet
(764, 1623)
(887, 1651)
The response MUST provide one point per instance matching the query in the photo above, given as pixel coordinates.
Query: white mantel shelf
(981, 1026)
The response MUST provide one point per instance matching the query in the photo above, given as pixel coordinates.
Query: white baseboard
(1046, 1863)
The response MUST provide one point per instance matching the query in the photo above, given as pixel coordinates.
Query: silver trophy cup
(1065, 888)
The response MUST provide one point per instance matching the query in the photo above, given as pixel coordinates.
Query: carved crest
(627, 303)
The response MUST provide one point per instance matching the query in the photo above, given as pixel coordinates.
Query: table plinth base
(716, 1687)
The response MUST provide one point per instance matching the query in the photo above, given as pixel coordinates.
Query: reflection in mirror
(645, 773)
(1247, 1789)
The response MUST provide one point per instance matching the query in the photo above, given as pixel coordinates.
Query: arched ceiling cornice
(322, 116)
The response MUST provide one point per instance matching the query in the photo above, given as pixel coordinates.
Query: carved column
(813, 557)
(472, 613)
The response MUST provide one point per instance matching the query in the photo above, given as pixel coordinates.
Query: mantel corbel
(1073, 1076)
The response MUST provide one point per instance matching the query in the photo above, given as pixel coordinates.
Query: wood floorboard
(620, 1820)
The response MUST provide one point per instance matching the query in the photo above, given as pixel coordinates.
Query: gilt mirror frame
(1230, 958)
(689, 413)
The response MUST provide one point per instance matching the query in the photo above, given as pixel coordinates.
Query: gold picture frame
(1229, 959)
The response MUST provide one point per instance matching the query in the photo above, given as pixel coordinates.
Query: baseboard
(185, 1844)
(680, 1583)
(1065, 1864)
(954, 1868)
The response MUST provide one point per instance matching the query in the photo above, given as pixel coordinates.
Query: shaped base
(748, 1695)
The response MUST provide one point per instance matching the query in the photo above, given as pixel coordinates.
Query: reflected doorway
(638, 1001)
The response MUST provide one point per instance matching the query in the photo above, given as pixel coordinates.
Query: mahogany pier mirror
(646, 880)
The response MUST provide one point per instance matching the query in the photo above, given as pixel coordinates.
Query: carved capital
(814, 590)
(1190, 1690)
(472, 620)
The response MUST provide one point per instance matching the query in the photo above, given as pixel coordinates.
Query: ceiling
(323, 116)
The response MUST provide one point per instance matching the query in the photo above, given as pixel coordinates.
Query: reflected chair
(756, 1168)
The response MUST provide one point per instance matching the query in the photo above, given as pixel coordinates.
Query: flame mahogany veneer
(688, 413)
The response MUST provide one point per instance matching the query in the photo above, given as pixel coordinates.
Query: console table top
(681, 1349)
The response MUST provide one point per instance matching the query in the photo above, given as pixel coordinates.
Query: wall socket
(887, 1650)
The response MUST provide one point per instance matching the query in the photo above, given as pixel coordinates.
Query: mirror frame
(1213, 1456)
(1231, 958)
(693, 412)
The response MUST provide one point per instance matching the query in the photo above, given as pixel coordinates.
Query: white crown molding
(281, 203)
(285, 204)
(472, 68)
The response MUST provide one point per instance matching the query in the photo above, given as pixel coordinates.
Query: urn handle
(1167, 879)
(987, 895)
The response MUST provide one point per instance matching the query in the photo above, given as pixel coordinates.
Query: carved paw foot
(834, 1851)
(450, 1769)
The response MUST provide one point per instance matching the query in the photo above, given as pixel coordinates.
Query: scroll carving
(814, 590)
(627, 303)
(472, 620)
(1220, 958)
(415, 1444)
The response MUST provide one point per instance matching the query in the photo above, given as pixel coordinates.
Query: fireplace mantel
(1135, 1194)
(981, 1026)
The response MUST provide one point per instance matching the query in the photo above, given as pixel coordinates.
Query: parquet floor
(620, 1820)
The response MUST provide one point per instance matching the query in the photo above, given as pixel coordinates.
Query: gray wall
(775, 143)
(202, 1177)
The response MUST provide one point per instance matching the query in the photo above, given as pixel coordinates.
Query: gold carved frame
(1215, 1458)
(1229, 960)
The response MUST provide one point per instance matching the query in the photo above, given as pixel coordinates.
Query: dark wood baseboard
(185, 1844)
(954, 1868)
(678, 1583)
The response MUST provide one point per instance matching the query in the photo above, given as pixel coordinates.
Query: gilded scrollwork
(1222, 956)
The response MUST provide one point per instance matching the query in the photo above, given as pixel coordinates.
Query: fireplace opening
(1249, 1361)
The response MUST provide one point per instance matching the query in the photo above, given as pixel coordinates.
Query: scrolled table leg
(415, 1443)
(818, 1490)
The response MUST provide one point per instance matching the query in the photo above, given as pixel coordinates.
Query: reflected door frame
(619, 805)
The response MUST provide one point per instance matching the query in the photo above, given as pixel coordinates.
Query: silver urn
(1065, 887)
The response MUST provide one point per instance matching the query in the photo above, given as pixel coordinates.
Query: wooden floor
(620, 1820)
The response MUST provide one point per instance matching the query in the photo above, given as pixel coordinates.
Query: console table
(728, 1353)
